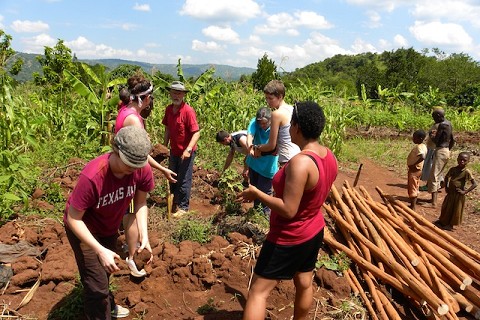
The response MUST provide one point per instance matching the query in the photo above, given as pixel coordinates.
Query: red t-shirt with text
(104, 197)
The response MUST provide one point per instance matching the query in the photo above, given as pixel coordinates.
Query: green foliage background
(68, 110)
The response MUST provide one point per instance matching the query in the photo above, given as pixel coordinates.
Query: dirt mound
(183, 282)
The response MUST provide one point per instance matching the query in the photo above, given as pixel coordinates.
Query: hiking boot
(120, 312)
(133, 269)
(179, 213)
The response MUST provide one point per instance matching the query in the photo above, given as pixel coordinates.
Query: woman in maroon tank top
(296, 222)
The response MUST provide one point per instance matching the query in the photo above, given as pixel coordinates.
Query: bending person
(93, 213)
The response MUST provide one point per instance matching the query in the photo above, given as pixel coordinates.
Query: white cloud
(361, 46)
(445, 34)
(221, 10)
(251, 51)
(80, 43)
(38, 43)
(449, 10)
(141, 7)
(29, 26)
(374, 19)
(311, 20)
(317, 48)
(221, 34)
(400, 41)
(209, 46)
(278, 23)
(388, 5)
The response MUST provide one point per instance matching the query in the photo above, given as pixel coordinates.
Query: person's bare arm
(141, 212)
(297, 174)
(191, 144)
(229, 159)
(169, 174)
(166, 137)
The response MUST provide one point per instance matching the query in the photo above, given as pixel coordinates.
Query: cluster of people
(113, 188)
(289, 175)
(428, 161)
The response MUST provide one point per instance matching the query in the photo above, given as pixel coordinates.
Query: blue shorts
(281, 262)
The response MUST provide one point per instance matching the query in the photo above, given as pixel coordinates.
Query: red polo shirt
(181, 126)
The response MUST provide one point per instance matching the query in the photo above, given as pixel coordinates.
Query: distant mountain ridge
(226, 72)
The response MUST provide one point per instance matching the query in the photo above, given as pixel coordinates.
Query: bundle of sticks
(395, 246)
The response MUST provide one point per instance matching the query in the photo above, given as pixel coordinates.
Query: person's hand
(461, 191)
(186, 154)
(248, 194)
(107, 260)
(145, 244)
(169, 174)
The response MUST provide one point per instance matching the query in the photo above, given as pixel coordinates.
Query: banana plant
(98, 92)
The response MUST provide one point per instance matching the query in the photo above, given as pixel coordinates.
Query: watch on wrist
(189, 150)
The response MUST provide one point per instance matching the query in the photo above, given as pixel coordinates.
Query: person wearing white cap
(95, 209)
(182, 133)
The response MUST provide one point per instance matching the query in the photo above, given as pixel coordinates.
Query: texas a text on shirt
(117, 195)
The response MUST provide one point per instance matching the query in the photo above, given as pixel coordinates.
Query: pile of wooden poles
(393, 245)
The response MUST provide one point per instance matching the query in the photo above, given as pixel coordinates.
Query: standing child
(455, 181)
(415, 163)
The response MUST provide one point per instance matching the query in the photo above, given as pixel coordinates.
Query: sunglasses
(295, 108)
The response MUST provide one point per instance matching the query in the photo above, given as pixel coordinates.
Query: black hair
(420, 134)
(466, 153)
(264, 113)
(221, 135)
(310, 119)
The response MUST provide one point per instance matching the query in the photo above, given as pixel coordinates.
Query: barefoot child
(415, 163)
(455, 181)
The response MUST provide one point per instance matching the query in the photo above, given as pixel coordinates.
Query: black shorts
(281, 262)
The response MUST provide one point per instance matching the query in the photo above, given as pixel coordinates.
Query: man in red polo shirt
(182, 133)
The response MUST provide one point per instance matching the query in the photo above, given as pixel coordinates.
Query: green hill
(228, 73)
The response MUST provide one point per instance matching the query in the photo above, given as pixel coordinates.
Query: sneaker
(133, 269)
(179, 213)
(120, 312)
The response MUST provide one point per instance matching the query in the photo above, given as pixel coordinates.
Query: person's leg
(303, 294)
(253, 176)
(98, 300)
(257, 298)
(174, 165)
(184, 182)
(265, 185)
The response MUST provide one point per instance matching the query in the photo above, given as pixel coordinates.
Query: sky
(293, 33)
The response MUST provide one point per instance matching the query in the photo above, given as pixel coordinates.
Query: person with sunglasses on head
(141, 98)
(279, 138)
(94, 210)
(296, 221)
(181, 133)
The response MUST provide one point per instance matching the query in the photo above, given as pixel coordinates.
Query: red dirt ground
(187, 276)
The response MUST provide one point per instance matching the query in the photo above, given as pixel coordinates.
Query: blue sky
(238, 32)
